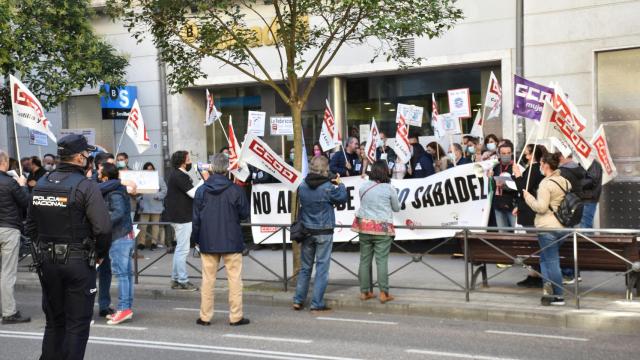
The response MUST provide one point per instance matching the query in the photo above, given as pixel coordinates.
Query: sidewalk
(604, 309)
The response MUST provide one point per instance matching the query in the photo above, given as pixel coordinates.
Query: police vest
(59, 217)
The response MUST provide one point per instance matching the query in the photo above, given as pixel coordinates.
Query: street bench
(522, 246)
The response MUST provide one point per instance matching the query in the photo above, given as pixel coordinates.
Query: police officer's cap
(74, 144)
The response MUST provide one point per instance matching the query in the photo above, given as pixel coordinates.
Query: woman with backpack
(551, 194)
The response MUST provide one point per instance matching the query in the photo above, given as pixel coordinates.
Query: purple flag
(529, 98)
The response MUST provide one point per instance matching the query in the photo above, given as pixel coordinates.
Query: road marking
(121, 327)
(536, 335)
(238, 336)
(246, 352)
(377, 322)
(456, 355)
(198, 310)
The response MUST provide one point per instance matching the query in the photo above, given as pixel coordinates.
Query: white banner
(281, 125)
(567, 109)
(599, 142)
(493, 99)
(412, 114)
(478, 126)
(257, 153)
(27, 110)
(401, 145)
(256, 123)
(454, 197)
(329, 134)
(136, 129)
(372, 142)
(211, 114)
(239, 170)
(460, 103)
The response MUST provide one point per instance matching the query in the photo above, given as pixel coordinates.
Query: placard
(256, 123)
(38, 138)
(364, 131)
(147, 181)
(281, 125)
(460, 103)
(412, 114)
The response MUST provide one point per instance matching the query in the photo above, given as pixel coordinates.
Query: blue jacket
(338, 165)
(119, 206)
(218, 207)
(317, 198)
(421, 163)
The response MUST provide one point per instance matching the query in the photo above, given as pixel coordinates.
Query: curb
(588, 319)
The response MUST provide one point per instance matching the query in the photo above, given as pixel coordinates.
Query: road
(166, 329)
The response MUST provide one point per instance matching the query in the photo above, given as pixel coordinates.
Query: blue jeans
(504, 218)
(122, 268)
(104, 284)
(550, 259)
(588, 213)
(316, 247)
(183, 240)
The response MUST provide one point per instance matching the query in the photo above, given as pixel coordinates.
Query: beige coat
(548, 194)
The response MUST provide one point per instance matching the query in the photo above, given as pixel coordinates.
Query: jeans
(588, 213)
(122, 268)
(104, 284)
(316, 247)
(504, 218)
(550, 259)
(370, 245)
(9, 248)
(183, 240)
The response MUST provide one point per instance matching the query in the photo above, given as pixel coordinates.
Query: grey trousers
(9, 248)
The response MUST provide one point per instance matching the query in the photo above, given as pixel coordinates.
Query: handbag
(297, 231)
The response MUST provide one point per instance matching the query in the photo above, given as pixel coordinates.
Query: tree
(50, 45)
(305, 35)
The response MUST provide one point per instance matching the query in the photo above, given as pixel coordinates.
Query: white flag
(401, 145)
(212, 114)
(493, 99)
(478, 126)
(136, 129)
(372, 142)
(239, 170)
(567, 109)
(257, 153)
(599, 142)
(329, 135)
(27, 110)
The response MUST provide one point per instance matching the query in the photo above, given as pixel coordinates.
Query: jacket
(463, 160)
(154, 203)
(526, 216)
(317, 198)
(178, 207)
(573, 172)
(338, 165)
(218, 207)
(117, 200)
(592, 183)
(504, 198)
(549, 195)
(421, 163)
(14, 200)
(379, 202)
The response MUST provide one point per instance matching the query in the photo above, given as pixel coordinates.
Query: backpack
(569, 213)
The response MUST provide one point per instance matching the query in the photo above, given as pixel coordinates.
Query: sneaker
(530, 282)
(187, 286)
(570, 281)
(153, 247)
(552, 301)
(175, 285)
(243, 321)
(547, 289)
(16, 318)
(106, 313)
(557, 301)
(120, 316)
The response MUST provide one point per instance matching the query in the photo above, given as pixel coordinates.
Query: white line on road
(119, 327)
(246, 352)
(377, 322)
(265, 338)
(456, 355)
(194, 310)
(557, 337)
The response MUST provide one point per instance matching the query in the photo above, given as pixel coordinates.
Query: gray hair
(4, 157)
(319, 165)
(219, 163)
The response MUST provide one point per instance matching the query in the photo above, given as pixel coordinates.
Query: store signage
(116, 102)
(281, 125)
(38, 138)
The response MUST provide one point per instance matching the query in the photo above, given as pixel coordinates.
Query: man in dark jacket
(591, 190)
(14, 200)
(346, 162)
(218, 207)
(573, 172)
(504, 197)
(421, 162)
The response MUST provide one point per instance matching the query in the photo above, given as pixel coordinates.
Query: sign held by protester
(147, 182)
(412, 114)
(88, 133)
(256, 123)
(281, 125)
(460, 103)
(38, 138)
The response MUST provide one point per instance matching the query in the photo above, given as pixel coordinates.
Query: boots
(385, 297)
(367, 295)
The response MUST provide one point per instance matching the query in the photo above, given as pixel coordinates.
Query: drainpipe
(164, 115)
(521, 129)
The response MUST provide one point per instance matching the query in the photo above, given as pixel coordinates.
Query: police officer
(69, 222)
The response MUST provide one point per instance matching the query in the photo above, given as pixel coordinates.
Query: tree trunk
(296, 114)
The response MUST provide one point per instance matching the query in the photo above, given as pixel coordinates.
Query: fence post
(135, 261)
(284, 258)
(575, 269)
(466, 264)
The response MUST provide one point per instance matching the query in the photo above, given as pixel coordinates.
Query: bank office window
(378, 96)
(618, 110)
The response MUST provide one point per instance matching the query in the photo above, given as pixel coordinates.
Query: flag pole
(222, 127)
(526, 188)
(124, 129)
(528, 141)
(15, 131)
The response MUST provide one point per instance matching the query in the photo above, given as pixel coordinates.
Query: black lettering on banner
(282, 203)
(449, 192)
(416, 203)
(266, 202)
(426, 197)
(483, 195)
(437, 194)
(472, 187)
(402, 198)
(257, 203)
(350, 191)
(461, 187)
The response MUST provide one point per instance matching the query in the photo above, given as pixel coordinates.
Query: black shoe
(153, 247)
(107, 311)
(16, 318)
(202, 322)
(243, 321)
(530, 282)
(141, 247)
(323, 309)
(552, 301)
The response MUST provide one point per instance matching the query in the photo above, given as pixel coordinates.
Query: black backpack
(569, 213)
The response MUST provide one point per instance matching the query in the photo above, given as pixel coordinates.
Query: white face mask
(380, 143)
(49, 167)
(491, 146)
(451, 156)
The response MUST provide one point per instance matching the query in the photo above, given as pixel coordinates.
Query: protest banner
(211, 114)
(454, 197)
(493, 99)
(255, 125)
(412, 114)
(460, 103)
(147, 181)
(603, 155)
(401, 145)
(257, 153)
(136, 130)
(372, 142)
(529, 98)
(238, 169)
(281, 125)
(329, 133)
(556, 125)
(568, 110)
(27, 110)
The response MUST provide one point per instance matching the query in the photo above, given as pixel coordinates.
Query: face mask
(491, 146)
(471, 149)
(188, 166)
(121, 164)
(49, 167)
(505, 159)
(317, 152)
(379, 143)
(291, 156)
(542, 171)
(451, 156)
(226, 155)
(412, 151)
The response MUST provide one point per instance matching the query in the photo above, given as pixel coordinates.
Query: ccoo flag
(329, 135)
(27, 110)
(257, 153)
(603, 156)
(493, 100)
(372, 142)
(136, 129)
(239, 170)
(212, 114)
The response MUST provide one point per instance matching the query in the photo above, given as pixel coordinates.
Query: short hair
(68, 158)
(102, 157)
(4, 157)
(379, 172)
(457, 147)
(491, 137)
(178, 158)
(35, 161)
(110, 171)
(124, 155)
(551, 159)
(25, 158)
(539, 153)
(219, 164)
(146, 165)
(506, 145)
(224, 148)
(319, 165)
(351, 138)
(49, 155)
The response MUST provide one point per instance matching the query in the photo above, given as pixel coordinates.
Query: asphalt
(166, 329)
